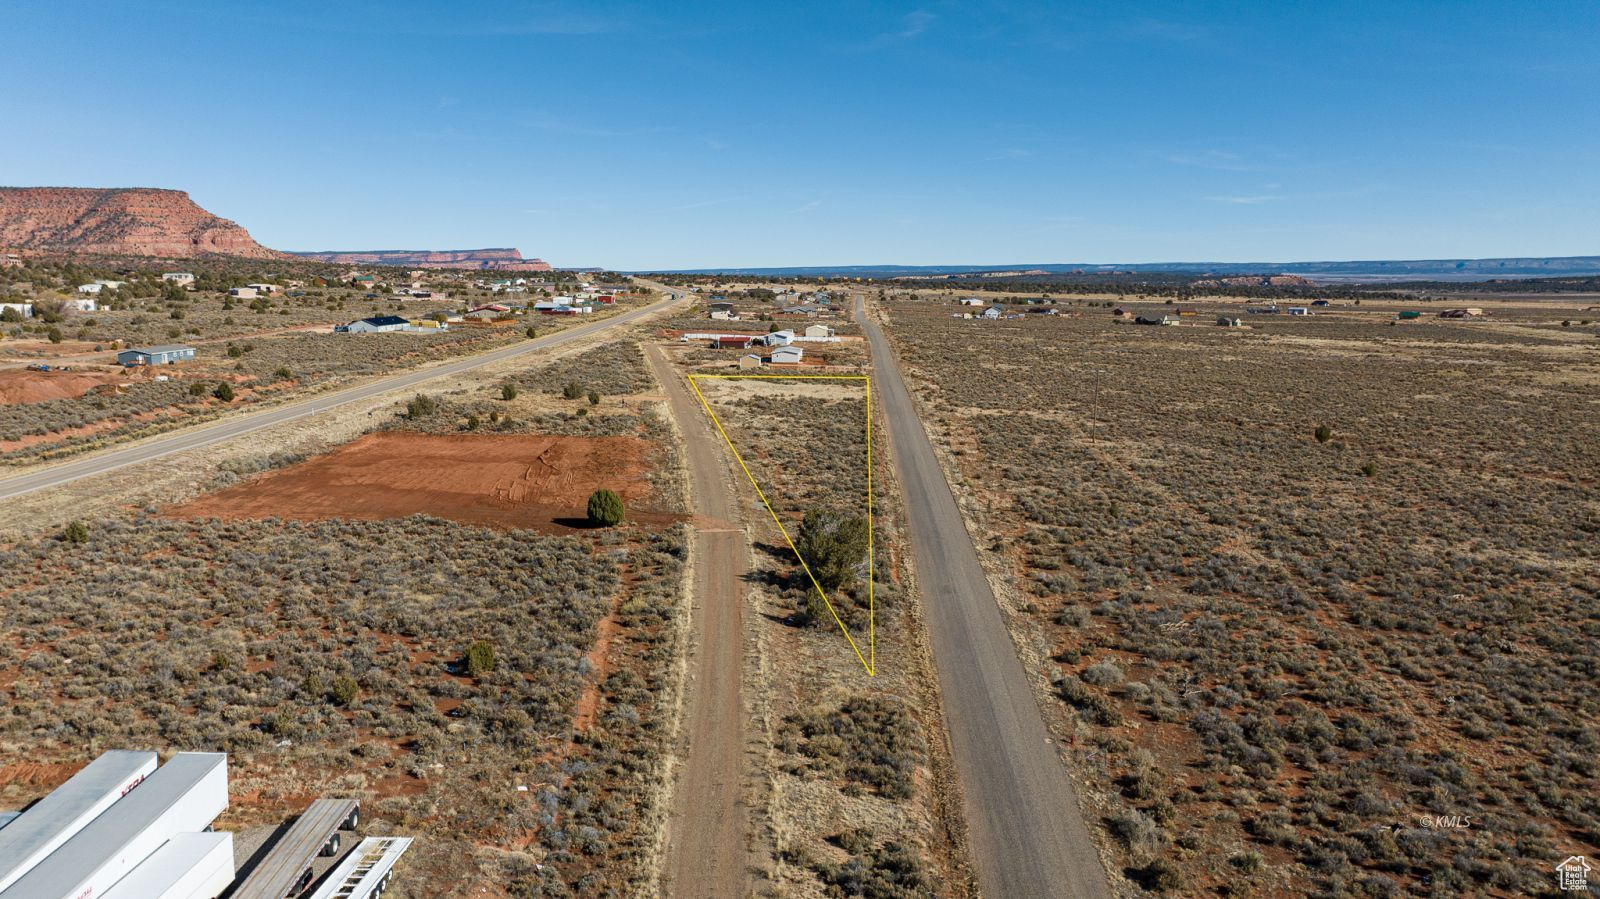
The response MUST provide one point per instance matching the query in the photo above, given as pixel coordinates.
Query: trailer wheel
(331, 847)
(354, 819)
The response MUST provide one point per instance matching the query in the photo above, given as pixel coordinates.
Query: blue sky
(655, 135)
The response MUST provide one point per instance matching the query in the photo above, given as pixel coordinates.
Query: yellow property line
(869, 661)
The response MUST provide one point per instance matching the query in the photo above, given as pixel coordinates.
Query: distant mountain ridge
(503, 259)
(1359, 270)
(119, 221)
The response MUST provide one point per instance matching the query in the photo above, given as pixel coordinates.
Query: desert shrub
(345, 690)
(76, 532)
(892, 871)
(833, 545)
(605, 508)
(1323, 433)
(571, 391)
(508, 391)
(594, 398)
(421, 406)
(480, 659)
(223, 391)
(870, 741)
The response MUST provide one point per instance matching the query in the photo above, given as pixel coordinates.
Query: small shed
(165, 354)
(819, 331)
(787, 355)
(749, 360)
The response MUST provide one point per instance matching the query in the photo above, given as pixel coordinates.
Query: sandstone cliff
(128, 221)
(503, 259)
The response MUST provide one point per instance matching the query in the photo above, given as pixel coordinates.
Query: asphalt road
(1025, 826)
(708, 828)
(234, 426)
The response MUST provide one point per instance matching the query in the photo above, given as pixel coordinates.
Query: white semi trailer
(188, 866)
(183, 796)
(32, 836)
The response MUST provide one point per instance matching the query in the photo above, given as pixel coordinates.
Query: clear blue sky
(657, 135)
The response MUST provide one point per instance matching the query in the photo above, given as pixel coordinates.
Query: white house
(242, 293)
(787, 355)
(1299, 310)
(377, 324)
(182, 279)
(780, 338)
(91, 289)
(264, 288)
(971, 301)
(81, 304)
(993, 312)
(819, 331)
(24, 309)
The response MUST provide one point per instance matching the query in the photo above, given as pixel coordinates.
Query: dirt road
(234, 426)
(709, 823)
(1026, 828)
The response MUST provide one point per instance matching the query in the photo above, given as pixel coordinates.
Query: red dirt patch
(18, 385)
(500, 481)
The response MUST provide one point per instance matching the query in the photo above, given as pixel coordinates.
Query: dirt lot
(20, 385)
(500, 481)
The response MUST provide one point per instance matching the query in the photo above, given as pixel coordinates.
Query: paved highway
(1025, 826)
(233, 426)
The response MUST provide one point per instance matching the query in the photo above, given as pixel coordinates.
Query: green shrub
(421, 406)
(1370, 469)
(605, 508)
(223, 392)
(76, 532)
(1323, 433)
(198, 388)
(508, 391)
(54, 334)
(594, 397)
(480, 659)
(832, 545)
(572, 391)
(345, 690)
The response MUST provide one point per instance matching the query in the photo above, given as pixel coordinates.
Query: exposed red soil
(19, 385)
(499, 481)
(37, 774)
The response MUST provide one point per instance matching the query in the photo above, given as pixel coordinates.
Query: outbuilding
(787, 355)
(242, 293)
(749, 360)
(819, 331)
(780, 338)
(165, 354)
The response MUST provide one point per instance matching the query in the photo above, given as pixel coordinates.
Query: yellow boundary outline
(870, 660)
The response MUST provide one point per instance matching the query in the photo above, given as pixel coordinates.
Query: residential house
(994, 312)
(376, 324)
(1230, 321)
(1153, 319)
(787, 355)
(23, 309)
(182, 279)
(819, 331)
(734, 341)
(971, 301)
(81, 304)
(242, 293)
(165, 354)
(92, 289)
(1299, 310)
(265, 288)
(780, 338)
